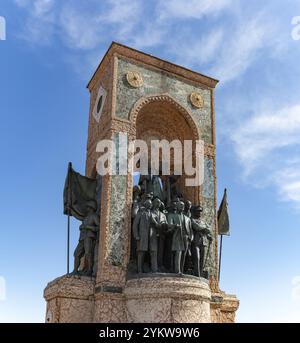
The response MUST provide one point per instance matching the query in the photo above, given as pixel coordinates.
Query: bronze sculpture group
(169, 234)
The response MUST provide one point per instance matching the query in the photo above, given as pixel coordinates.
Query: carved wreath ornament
(196, 100)
(134, 79)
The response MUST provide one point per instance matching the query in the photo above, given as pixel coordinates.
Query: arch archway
(161, 117)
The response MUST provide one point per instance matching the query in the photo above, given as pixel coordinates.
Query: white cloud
(266, 132)
(123, 17)
(40, 23)
(262, 144)
(212, 42)
(183, 9)
(80, 26)
(287, 181)
(227, 50)
(123, 11)
(151, 34)
(42, 7)
(197, 52)
(80, 30)
(242, 47)
(22, 3)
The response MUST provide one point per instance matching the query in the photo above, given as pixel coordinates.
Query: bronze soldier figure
(141, 231)
(201, 242)
(157, 235)
(187, 208)
(136, 206)
(182, 235)
(87, 239)
(136, 201)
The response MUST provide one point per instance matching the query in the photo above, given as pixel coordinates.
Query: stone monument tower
(146, 98)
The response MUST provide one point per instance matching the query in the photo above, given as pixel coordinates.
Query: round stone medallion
(196, 100)
(134, 79)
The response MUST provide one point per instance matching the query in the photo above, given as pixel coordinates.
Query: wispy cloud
(196, 9)
(287, 181)
(267, 144)
(40, 23)
(81, 25)
(85, 26)
(227, 50)
(266, 132)
(42, 7)
(150, 35)
(197, 52)
(125, 14)
(241, 49)
(80, 30)
(22, 3)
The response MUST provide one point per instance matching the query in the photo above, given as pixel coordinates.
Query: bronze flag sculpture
(80, 201)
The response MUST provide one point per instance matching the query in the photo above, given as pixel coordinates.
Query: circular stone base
(167, 300)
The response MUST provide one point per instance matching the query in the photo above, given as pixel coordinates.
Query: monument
(148, 245)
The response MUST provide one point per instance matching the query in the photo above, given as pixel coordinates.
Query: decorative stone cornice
(141, 57)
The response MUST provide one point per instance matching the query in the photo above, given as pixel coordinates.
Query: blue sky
(51, 50)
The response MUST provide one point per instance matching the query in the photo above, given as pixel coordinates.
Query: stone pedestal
(109, 307)
(70, 299)
(148, 299)
(223, 307)
(167, 300)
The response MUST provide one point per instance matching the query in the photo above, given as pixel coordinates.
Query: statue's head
(136, 190)
(187, 205)
(149, 195)
(148, 204)
(173, 205)
(180, 206)
(156, 203)
(196, 211)
(162, 206)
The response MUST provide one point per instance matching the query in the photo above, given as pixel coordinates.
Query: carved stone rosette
(134, 79)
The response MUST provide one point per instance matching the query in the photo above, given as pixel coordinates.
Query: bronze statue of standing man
(157, 227)
(87, 240)
(141, 232)
(182, 235)
(201, 242)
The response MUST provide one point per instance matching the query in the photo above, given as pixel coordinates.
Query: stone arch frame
(137, 107)
(166, 98)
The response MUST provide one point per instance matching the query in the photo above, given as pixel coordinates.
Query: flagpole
(68, 245)
(220, 257)
(68, 226)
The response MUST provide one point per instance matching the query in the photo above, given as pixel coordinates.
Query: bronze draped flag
(79, 191)
(223, 217)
